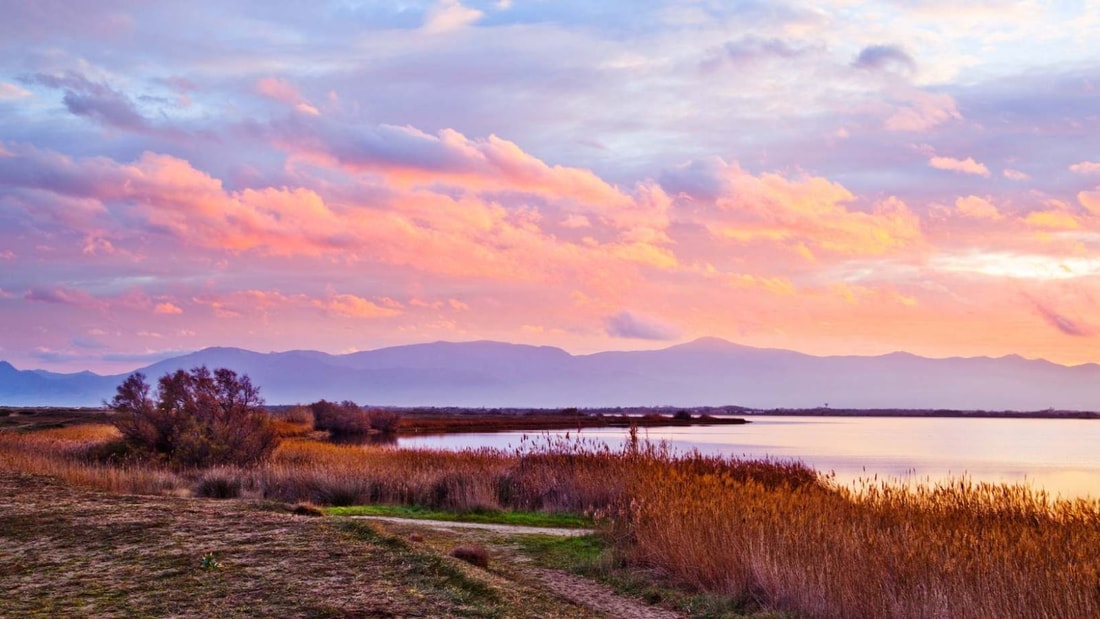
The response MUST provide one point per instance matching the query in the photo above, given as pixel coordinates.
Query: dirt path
(598, 597)
(583, 592)
(509, 529)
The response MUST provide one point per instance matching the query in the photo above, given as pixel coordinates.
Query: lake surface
(1061, 456)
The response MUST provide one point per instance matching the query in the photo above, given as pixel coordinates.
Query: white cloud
(1085, 167)
(450, 15)
(965, 166)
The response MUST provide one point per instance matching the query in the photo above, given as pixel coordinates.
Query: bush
(384, 421)
(219, 484)
(472, 554)
(197, 419)
(306, 508)
(349, 419)
(299, 414)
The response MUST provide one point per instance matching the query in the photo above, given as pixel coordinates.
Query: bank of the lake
(1059, 455)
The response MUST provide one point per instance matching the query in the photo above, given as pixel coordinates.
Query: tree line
(202, 418)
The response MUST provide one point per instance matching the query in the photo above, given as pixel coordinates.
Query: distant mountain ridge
(707, 371)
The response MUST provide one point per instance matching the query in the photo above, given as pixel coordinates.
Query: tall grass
(880, 550)
(774, 534)
(83, 455)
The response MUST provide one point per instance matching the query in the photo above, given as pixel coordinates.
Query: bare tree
(198, 418)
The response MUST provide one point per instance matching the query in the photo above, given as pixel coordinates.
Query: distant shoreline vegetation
(425, 420)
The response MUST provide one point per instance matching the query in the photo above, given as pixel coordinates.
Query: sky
(841, 177)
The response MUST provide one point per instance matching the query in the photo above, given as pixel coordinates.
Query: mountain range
(707, 371)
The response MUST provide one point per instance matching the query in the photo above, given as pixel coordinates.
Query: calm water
(1059, 455)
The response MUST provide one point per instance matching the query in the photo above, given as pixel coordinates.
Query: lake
(1061, 456)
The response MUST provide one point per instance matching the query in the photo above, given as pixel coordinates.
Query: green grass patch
(526, 519)
(581, 554)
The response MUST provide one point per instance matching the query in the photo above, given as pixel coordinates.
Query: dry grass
(71, 552)
(773, 535)
(959, 550)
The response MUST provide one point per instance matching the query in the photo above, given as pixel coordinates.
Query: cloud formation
(97, 101)
(965, 166)
(285, 92)
(1085, 167)
(847, 179)
(627, 324)
(1062, 323)
(885, 58)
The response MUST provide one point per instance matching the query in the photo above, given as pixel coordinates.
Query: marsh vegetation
(771, 535)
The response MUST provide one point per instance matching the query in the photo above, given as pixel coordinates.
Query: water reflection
(1058, 455)
(378, 439)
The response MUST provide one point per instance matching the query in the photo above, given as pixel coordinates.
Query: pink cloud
(965, 166)
(284, 92)
(573, 220)
(449, 15)
(926, 111)
(1014, 175)
(976, 208)
(808, 212)
(409, 157)
(481, 223)
(10, 91)
(1085, 167)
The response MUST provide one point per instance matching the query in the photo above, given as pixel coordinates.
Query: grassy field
(71, 552)
(750, 536)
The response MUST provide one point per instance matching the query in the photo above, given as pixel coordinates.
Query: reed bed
(83, 455)
(879, 550)
(774, 534)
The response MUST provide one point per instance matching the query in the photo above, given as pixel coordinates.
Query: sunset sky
(837, 177)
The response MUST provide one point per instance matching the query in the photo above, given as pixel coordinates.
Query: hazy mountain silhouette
(708, 371)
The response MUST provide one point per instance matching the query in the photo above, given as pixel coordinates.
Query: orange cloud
(1090, 200)
(809, 213)
(167, 308)
(1052, 220)
(351, 306)
(774, 285)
